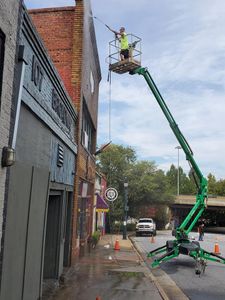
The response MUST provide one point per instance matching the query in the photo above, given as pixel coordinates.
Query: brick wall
(55, 27)
(68, 34)
(8, 25)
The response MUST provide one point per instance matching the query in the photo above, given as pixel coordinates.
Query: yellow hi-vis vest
(124, 42)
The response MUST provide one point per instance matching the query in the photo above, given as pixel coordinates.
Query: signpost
(111, 194)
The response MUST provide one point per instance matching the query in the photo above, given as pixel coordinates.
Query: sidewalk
(108, 274)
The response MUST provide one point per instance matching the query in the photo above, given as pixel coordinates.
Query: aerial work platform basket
(129, 64)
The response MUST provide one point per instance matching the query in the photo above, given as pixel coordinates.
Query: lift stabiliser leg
(182, 244)
(174, 248)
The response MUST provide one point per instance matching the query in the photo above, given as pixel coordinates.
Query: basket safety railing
(134, 49)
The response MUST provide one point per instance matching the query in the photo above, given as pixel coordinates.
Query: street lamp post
(178, 171)
(125, 209)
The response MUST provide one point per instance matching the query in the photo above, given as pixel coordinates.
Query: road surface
(210, 286)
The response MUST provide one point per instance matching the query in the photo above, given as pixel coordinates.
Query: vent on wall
(60, 156)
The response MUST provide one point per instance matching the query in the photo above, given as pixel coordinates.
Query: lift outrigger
(181, 244)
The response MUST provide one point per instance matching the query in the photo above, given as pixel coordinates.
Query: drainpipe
(21, 70)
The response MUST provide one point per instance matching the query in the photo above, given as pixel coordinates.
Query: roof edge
(51, 9)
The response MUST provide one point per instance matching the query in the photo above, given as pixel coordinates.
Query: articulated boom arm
(198, 208)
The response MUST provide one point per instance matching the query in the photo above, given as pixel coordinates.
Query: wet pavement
(108, 274)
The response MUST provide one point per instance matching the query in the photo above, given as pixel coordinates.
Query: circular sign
(111, 194)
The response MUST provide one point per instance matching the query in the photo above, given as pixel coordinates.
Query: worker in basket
(124, 45)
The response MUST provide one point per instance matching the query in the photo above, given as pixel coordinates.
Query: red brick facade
(68, 34)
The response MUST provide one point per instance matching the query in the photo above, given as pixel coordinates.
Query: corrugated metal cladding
(42, 179)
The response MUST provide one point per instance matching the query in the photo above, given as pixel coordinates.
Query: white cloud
(186, 60)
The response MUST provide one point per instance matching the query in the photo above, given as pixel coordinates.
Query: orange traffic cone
(117, 245)
(216, 248)
(152, 239)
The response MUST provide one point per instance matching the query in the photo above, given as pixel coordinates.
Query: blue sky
(183, 45)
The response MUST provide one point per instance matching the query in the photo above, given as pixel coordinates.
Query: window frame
(2, 56)
(92, 82)
(88, 128)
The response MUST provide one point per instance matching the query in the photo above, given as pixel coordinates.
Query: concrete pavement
(108, 274)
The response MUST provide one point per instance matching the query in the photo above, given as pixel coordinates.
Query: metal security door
(52, 239)
(68, 231)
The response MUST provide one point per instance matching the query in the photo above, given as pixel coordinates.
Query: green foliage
(131, 227)
(115, 162)
(147, 184)
(186, 183)
(95, 237)
(161, 218)
(211, 184)
(216, 187)
(220, 187)
(118, 227)
(172, 179)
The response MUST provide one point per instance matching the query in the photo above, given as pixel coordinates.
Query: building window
(2, 48)
(88, 131)
(92, 83)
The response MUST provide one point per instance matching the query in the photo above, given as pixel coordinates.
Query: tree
(115, 162)
(188, 186)
(172, 179)
(212, 184)
(147, 185)
(186, 183)
(148, 188)
(220, 187)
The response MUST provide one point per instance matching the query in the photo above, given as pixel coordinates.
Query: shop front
(37, 240)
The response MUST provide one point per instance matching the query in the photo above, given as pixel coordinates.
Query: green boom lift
(181, 244)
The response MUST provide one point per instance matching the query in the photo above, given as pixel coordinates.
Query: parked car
(145, 226)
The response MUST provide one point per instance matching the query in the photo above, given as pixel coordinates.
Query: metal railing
(134, 49)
